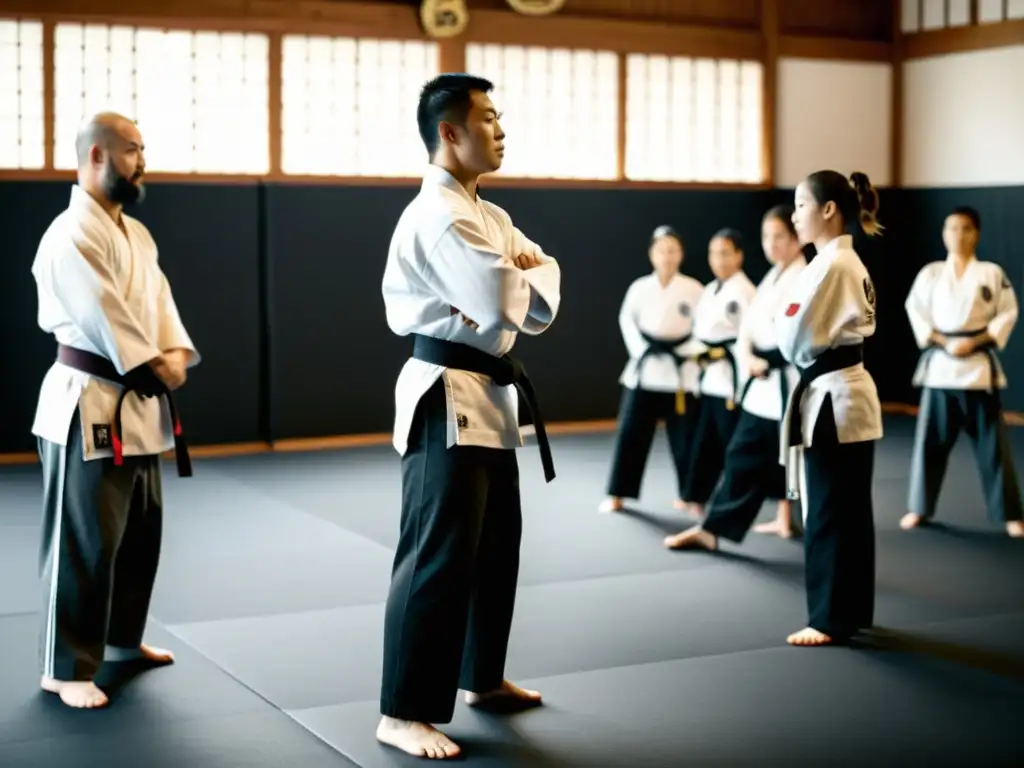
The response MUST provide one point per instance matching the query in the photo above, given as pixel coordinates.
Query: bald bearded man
(105, 414)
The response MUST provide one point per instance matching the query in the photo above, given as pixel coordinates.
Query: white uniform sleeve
(79, 275)
(547, 284)
(172, 331)
(1001, 326)
(468, 272)
(634, 341)
(918, 307)
(819, 307)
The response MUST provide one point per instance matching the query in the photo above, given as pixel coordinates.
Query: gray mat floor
(271, 591)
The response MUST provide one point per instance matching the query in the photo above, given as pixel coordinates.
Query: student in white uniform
(962, 311)
(752, 472)
(833, 412)
(716, 326)
(463, 282)
(105, 414)
(660, 377)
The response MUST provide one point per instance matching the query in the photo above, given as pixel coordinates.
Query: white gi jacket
(831, 304)
(764, 395)
(719, 315)
(104, 293)
(452, 254)
(982, 299)
(662, 312)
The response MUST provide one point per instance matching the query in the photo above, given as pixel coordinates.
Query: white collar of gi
(83, 200)
(843, 242)
(436, 175)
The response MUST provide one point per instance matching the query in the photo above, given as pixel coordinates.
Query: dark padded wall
(208, 241)
(280, 287)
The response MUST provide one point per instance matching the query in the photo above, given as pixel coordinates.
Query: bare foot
(911, 520)
(613, 504)
(417, 739)
(681, 505)
(1015, 529)
(693, 538)
(775, 528)
(696, 511)
(508, 692)
(156, 655)
(80, 694)
(808, 637)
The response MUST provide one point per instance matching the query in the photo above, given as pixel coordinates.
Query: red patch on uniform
(792, 309)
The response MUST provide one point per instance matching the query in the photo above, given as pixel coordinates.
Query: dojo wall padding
(280, 287)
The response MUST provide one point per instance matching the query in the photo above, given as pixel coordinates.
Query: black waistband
(143, 381)
(776, 362)
(503, 371)
(662, 347)
(829, 361)
(982, 349)
(724, 354)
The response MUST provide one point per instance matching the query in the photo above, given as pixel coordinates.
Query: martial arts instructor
(462, 282)
(105, 415)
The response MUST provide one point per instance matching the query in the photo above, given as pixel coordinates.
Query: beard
(121, 189)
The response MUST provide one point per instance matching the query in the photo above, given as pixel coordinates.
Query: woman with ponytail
(833, 415)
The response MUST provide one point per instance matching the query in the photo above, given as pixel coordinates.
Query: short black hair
(732, 235)
(968, 213)
(446, 98)
(665, 231)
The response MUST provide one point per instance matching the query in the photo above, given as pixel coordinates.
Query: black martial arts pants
(715, 427)
(102, 527)
(839, 539)
(639, 413)
(453, 586)
(752, 474)
(940, 419)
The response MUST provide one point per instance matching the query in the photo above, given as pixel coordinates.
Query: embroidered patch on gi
(100, 436)
(461, 420)
(869, 292)
(684, 309)
(732, 307)
(792, 309)
(986, 293)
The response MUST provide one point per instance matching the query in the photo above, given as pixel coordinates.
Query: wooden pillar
(451, 55)
(49, 94)
(620, 116)
(770, 35)
(274, 102)
(896, 108)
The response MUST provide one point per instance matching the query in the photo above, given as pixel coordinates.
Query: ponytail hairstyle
(783, 213)
(856, 199)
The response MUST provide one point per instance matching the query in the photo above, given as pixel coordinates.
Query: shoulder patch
(792, 309)
(684, 309)
(986, 293)
(732, 307)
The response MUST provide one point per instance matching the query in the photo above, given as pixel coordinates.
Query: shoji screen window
(21, 94)
(559, 109)
(200, 98)
(693, 120)
(349, 105)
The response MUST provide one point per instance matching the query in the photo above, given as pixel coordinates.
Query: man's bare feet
(696, 511)
(809, 637)
(911, 520)
(80, 694)
(142, 653)
(417, 739)
(156, 655)
(613, 504)
(507, 693)
(681, 505)
(693, 538)
(775, 528)
(1015, 529)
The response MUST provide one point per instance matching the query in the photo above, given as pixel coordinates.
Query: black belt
(830, 360)
(502, 370)
(719, 350)
(665, 347)
(141, 380)
(986, 349)
(776, 362)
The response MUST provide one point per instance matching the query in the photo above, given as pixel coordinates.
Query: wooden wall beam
(452, 55)
(800, 47)
(896, 105)
(939, 42)
(769, 89)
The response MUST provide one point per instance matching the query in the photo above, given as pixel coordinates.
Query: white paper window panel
(559, 109)
(693, 120)
(199, 98)
(22, 145)
(349, 105)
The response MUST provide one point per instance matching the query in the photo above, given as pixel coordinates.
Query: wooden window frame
(398, 22)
